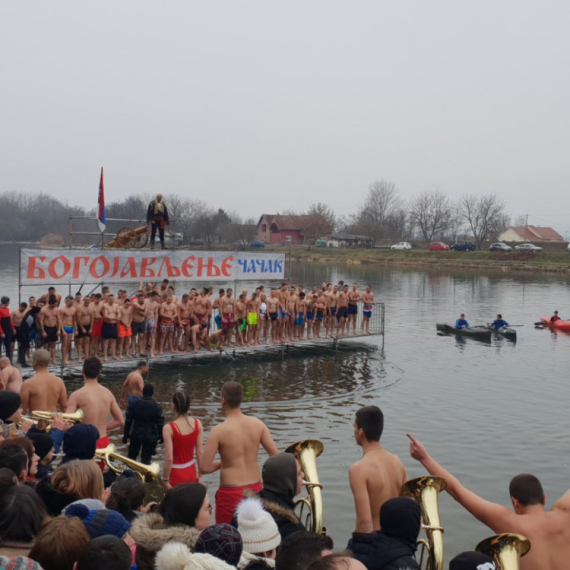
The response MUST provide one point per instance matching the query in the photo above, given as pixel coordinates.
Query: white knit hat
(177, 556)
(257, 527)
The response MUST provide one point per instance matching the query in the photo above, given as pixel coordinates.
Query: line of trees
(428, 216)
(383, 214)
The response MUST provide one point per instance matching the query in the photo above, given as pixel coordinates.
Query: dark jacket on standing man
(393, 547)
(144, 421)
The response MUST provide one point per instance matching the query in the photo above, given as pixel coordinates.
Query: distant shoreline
(548, 261)
(543, 262)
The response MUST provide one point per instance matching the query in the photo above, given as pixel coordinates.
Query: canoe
(511, 334)
(477, 332)
(560, 325)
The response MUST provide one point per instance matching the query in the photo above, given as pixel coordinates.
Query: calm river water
(485, 411)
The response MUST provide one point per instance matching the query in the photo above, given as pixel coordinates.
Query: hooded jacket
(151, 533)
(279, 475)
(394, 546)
(377, 551)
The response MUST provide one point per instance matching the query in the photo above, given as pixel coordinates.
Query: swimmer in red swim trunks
(237, 440)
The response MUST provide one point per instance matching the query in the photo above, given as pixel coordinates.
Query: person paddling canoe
(499, 323)
(461, 323)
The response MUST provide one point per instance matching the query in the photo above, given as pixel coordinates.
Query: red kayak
(560, 325)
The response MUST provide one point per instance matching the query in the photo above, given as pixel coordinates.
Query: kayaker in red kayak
(555, 317)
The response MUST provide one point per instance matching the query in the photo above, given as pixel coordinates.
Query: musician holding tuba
(378, 476)
(547, 531)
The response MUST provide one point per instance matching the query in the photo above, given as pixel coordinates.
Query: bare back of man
(132, 387)
(97, 403)
(10, 376)
(238, 441)
(44, 391)
(376, 478)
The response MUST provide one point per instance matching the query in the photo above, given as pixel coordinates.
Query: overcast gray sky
(264, 106)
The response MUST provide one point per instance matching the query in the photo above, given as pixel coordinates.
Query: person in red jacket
(7, 329)
(555, 317)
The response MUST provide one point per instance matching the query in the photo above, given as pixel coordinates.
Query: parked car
(464, 246)
(401, 245)
(568, 248)
(527, 247)
(438, 246)
(257, 243)
(321, 242)
(500, 247)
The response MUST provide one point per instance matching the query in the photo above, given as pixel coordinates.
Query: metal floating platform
(233, 353)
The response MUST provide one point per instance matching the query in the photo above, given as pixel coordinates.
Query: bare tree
(381, 202)
(520, 221)
(430, 212)
(483, 214)
(317, 222)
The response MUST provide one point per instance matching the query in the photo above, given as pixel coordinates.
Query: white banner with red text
(63, 266)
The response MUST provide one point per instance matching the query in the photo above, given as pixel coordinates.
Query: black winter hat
(222, 541)
(401, 518)
(9, 404)
(43, 443)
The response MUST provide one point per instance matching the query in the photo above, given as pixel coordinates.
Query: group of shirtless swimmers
(155, 320)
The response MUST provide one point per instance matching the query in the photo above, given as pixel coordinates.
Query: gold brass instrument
(425, 491)
(306, 452)
(33, 421)
(505, 549)
(48, 417)
(76, 417)
(145, 472)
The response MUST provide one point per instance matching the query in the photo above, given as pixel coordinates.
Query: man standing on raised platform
(157, 216)
(237, 440)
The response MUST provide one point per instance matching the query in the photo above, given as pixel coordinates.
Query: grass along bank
(556, 261)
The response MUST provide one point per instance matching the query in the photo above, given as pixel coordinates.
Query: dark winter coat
(144, 421)
(377, 551)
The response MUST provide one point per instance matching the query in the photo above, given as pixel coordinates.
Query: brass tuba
(505, 549)
(306, 453)
(76, 417)
(145, 472)
(425, 491)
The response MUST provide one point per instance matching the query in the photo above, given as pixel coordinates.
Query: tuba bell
(505, 549)
(310, 508)
(145, 472)
(425, 491)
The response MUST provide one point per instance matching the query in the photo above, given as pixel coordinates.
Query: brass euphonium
(145, 472)
(34, 421)
(306, 452)
(425, 491)
(505, 549)
(76, 417)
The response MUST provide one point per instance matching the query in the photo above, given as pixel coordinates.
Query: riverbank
(514, 261)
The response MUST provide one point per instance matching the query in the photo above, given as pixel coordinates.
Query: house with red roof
(531, 234)
(292, 230)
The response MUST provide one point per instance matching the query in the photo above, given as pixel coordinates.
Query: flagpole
(101, 215)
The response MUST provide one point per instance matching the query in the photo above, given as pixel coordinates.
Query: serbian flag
(101, 216)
